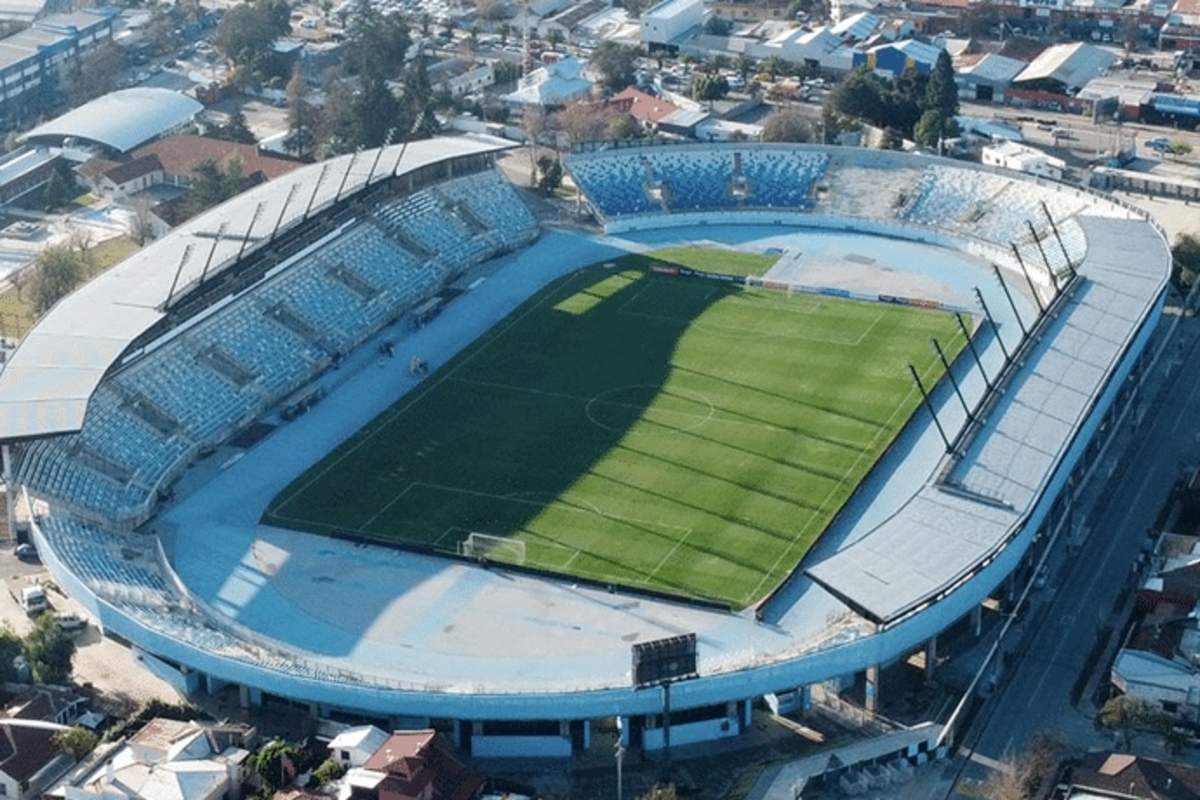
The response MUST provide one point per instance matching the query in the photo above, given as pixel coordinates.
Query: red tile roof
(646, 107)
(180, 155)
(415, 760)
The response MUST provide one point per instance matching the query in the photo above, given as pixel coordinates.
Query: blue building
(896, 57)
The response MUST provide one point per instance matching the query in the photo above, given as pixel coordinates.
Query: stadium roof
(121, 120)
(1072, 65)
(45, 387)
(947, 530)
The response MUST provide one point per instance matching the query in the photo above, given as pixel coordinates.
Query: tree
(588, 122)
(77, 741)
(551, 175)
(95, 73)
(616, 63)
(1179, 148)
(375, 43)
(10, 648)
(49, 650)
(301, 115)
(1128, 716)
(59, 188)
(141, 222)
(535, 124)
(57, 270)
(1186, 256)
(417, 120)
(277, 763)
(506, 72)
(859, 96)
(1021, 777)
(932, 128)
(941, 92)
(328, 771)
(709, 86)
(373, 111)
(246, 35)
(786, 125)
(236, 130)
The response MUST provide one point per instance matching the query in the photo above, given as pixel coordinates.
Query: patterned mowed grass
(680, 434)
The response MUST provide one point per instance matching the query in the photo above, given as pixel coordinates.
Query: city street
(1090, 582)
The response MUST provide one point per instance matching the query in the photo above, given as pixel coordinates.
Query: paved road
(1086, 591)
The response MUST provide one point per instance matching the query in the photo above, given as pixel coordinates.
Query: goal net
(492, 548)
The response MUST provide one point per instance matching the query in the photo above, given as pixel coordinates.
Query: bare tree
(141, 224)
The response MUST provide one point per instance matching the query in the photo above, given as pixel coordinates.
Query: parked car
(70, 621)
(26, 552)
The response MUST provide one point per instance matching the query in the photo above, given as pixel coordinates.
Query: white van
(33, 600)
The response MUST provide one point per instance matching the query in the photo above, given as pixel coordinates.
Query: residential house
(354, 746)
(166, 760)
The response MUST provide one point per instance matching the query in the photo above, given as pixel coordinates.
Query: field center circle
(619, 409)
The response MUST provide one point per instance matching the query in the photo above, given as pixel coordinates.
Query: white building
(1020, 158)
(166, 760)
(352, 747)
(663, 24)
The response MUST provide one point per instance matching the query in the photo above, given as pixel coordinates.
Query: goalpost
(485, 547)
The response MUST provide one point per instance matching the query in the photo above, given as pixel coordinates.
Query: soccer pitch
(673, 433)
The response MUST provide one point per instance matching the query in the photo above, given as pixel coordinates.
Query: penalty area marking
(742, 332)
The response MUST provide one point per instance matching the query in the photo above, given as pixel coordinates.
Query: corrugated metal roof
(1072, 65)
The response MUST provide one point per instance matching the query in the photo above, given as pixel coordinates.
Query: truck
(33, 600)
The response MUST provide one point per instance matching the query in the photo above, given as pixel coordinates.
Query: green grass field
(678, 434)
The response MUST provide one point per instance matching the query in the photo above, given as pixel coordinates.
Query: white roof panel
(940, 536)
(47, 382)
(123, 119)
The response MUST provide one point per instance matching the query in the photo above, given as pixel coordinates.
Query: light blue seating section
(281, 333)
(696, 179)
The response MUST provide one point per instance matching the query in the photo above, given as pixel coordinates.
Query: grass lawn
(732, 262)
(16, 312)
(675, 433)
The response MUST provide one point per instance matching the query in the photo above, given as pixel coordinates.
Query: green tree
(237, 130)
(709, 86)
(372, 112)
(10, 648)
(213, 184)
(616, 63)
(271, 764)
(786, 125)
(506, 72)
(1179, 148)
(417, 120)
(859, 96)
(77, 741)
(1186, 256)
(57, 270)
(1128, 716)
(49, 650)
(375, 43)
(551, 174)
(933, 127)
(328, 771)
(941, 92)
(246, 35)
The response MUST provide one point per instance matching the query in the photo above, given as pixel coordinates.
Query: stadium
(228, 450)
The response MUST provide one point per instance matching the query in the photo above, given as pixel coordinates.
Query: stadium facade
(118, 408)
